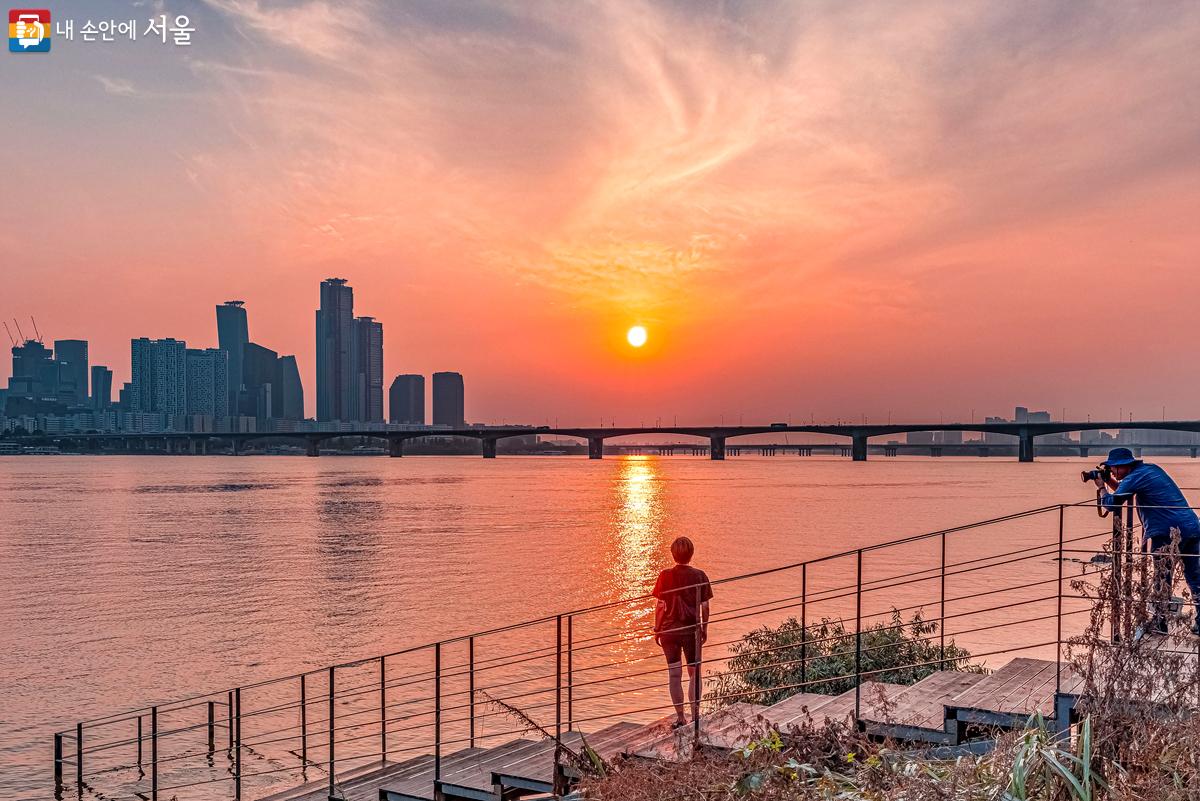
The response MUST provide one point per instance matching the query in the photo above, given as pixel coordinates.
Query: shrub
(770, 664)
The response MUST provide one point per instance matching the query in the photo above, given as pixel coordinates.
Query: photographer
(1163, 511)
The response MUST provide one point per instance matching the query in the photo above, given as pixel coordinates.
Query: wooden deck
(940, 710)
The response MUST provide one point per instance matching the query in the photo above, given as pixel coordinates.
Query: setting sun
(636, 336)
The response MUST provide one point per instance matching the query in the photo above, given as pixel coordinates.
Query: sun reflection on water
(637, 540)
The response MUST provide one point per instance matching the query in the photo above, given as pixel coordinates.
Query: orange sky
(827, 209)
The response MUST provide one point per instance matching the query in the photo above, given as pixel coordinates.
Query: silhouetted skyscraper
(233, 332)
(72, 356)
(291, 391)
(208, 382)
(158, 376)
(367, 373)
(260, 372)
(335, 323)
(448, 400)
(101, 395)
(406, 400)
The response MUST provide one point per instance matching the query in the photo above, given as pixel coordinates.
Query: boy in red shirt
(679, 627)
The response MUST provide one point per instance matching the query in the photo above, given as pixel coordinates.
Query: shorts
(677, 646)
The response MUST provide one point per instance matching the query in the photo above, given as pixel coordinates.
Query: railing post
(858, 639)
(153, 753)
(1114, 633)
(140, 771)
(237, 744)
(212, 727)
(471, 684)
(229, 720)
(942, 609)
(1058, 616)
(332, 736)
(303, 722)
(1127, 576)
(437, 711)
(570, 672)
(58, 763)
(558, 686)
(79, 758)
(804, 626)
(383, 707)
(696, 693)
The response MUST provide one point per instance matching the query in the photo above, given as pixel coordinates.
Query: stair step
(1009, 697)
(417, 785)
(724, 728)
(919, 712)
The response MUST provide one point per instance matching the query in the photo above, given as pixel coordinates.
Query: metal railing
(995, 586)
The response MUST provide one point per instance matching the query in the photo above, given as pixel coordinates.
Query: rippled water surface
(126, 581)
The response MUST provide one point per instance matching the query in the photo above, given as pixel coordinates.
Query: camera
(1102, 472)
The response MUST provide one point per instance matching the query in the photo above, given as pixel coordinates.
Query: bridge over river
(717, 437)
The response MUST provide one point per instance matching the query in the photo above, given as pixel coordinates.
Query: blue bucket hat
(1120, 456)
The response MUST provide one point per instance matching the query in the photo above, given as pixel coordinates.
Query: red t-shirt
(676, 587)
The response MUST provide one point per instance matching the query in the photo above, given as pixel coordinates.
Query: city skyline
(833, 210)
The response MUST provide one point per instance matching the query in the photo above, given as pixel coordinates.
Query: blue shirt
(1153, 489)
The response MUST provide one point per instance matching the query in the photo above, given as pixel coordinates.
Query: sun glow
(636, 336)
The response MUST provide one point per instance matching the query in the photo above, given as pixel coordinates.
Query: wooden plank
(923, 705)
(792, 709)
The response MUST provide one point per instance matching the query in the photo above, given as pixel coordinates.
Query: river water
(126, 581)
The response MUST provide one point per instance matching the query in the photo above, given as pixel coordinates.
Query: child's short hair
(682, 550)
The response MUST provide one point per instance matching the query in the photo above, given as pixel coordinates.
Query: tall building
(448, 400)
(367, 370)
(273, 389)
(260, 373)
(158, 376)
(233, 332)
(406, 400)
(335, 323)
(72, 356)
(101, 395)
(291, 390)
(208, 382)
(34, 384)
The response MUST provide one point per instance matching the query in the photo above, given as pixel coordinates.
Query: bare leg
(694, 687)
(675, 683)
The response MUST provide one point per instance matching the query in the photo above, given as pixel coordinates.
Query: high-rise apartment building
(449, 408)
(406, 400)
(335, 333)
(208, 382)
(233, 332)
(291, 390)
(158, 376)
(367, 372)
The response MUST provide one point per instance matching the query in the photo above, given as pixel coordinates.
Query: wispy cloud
(117, 86)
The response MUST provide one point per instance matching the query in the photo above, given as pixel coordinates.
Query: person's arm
(704, 622)
(660, 609)
(1120, 495)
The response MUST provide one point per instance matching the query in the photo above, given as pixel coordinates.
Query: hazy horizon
(815, 209)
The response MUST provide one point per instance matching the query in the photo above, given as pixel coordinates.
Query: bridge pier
(935, 451)
(858, 447)
(395, 447)
(716, 448)
(1083, 451)
(192, 447)
(1194, 452)
(312, 446)
(595, 448)
(489, 448)
(235, 445)
(1025, 446)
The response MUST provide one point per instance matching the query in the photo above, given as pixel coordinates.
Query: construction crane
(10, 336)
(36, 332)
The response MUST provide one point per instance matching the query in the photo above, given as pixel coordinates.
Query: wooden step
(532, 772)
(418, 785)
(794, 709)
(360, 782)
(919, 712)
(1009, 697)
(725, 728)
